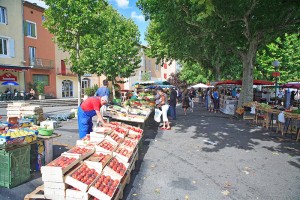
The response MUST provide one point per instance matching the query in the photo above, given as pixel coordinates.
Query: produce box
(82, 151)
(60, 165)
(102, 158)
(133, 129)
(14, 166)
(82, 177)
(53, 185)
(121, 130)
(134, 136)
(56, 194)
(17, 136)
(101, 189)
(116, 167)
(130, 143)
(75, 194)
(106, 146)
(97, 136)
(115, 137)
(123, 152)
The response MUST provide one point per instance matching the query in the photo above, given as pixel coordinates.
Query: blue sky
(127, 8)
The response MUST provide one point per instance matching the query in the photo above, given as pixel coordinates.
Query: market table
(139, 120)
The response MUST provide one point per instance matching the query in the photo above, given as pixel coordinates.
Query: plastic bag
(253, 109)
(281, 117)
(157, 115)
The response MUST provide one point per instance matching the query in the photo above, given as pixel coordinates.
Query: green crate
(14, 166)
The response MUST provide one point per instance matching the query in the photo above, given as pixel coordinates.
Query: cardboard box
(90, 151)
(103, 150)
(72, 194)
(110, 171)
(78, 184)
(100, 195)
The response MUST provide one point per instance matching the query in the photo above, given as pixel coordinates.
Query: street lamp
(276, 74)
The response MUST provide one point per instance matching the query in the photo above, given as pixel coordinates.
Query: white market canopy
(200, 85)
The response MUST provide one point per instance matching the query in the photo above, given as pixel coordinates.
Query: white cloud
(39, 3)
(136, 16)
(122, 3)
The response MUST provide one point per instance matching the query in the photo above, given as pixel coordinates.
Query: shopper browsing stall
(163, 104)
(86, 111)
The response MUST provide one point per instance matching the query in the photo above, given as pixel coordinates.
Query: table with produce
(134, 111)
(98, 167)
(24, 146)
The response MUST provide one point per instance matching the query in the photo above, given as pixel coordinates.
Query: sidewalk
(204, 156)
(214, 156)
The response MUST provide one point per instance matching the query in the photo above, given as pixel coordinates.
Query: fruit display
(86, 138)
(62, 162)
(124, 151)
(130, 143)
(117, 166)
(106, 185)
(116, 123)
(134, 136)
(79, 150)
(100, 157)
(135, 129)
(107, 145)
(18, 133)
(116, 137)
(121, 131)
(85, 174)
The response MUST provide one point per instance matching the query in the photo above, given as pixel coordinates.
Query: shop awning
(239, 82)
(14, 68)
(292, 85)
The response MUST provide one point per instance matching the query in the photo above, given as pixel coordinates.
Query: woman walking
(185, 101)
(163, 104)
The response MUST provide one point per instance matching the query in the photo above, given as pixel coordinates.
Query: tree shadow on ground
(219, 131)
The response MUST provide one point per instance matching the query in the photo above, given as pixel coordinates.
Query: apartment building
(168, 68)
(148, 67)
(11, 44)
(39, 49)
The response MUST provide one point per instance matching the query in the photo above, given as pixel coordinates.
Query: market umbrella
(291, 85)
(199, 85)
(10, 83)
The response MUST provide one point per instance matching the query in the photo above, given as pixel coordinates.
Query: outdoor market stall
(98, 167)
(228, 103)
(24, 146)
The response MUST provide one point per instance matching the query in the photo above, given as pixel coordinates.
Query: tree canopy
(210, 32)
(98, 38)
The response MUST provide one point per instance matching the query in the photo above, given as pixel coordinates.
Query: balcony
(40, 63)
(64, 71)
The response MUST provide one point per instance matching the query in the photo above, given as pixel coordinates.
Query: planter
(41, 96)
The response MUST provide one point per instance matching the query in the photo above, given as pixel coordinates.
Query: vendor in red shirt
(86, 111)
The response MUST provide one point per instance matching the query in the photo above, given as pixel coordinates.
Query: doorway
(85, 83)
(67, 88)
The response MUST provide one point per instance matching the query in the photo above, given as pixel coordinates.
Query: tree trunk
(78, 75)
(113, 88)
(247, 86)
(218, 72)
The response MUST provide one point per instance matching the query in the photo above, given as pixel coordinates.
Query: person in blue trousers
(173, 102)
(86, 111)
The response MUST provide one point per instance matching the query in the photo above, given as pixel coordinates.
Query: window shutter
(25, 28)
(11, 47)
(33, 30)
(165, 66)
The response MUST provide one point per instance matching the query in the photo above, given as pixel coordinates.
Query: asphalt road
(204, 156)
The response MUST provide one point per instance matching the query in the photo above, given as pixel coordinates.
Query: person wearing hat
(103, 91)
(87, 110)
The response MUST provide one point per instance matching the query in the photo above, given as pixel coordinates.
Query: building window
(3, 15)
(3, 46)
(42, 78)
(165, 65)
(165, 76)
(32, 55)
(156, 67)
(43, 18)
(30, 29)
